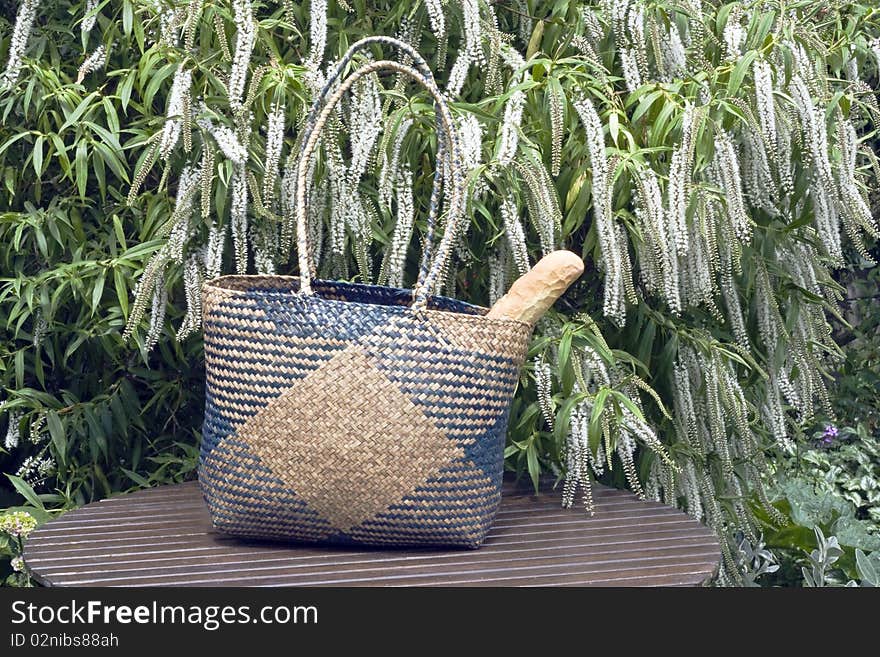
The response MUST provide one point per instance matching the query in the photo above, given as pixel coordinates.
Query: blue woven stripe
(487, 451)
(259, 479)
(224, 326)
(468, 509)
(463, 514)
(452, 411)
(226, 393)
(250, 494)
(372, 295)
(216, 426)
(428, 347)
(311, 318)
(308, 362)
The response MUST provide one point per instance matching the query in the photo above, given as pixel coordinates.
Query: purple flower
(828, 436)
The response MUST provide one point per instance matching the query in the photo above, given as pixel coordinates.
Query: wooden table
(163, 537)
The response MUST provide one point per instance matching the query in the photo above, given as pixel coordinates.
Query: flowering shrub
(845, 465)
(708, 160)
(14, 529)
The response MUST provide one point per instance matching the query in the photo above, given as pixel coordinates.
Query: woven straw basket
(347, 413)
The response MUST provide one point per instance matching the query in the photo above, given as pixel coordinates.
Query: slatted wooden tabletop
(163, 537)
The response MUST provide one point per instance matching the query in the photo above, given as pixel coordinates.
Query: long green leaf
(26, 491)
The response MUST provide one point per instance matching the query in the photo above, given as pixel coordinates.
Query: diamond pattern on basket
(374, 446)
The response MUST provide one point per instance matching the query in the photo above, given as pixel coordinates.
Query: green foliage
(821, 560)
(15, 525)
(820, 570)
(857, 397)
(826, 564)
(832, 484)
(818, 494)
(86, 406)
(809, 508)
(849, 470)
(696, 345)
(868, 568)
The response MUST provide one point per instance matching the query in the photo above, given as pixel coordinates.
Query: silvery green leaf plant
(755, 561)
(820, 572)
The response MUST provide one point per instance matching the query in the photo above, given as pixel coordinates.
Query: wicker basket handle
(432, 265)
(418, 62)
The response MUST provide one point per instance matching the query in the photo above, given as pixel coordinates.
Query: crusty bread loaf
(532, 294)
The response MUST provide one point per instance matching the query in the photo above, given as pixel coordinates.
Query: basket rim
(219, 283)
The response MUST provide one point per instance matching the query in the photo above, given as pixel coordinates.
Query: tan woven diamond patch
(348, 441)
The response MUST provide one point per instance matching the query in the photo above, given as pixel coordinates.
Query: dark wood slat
(134, 529)
(692, 573)
(71, 529)
(157, 555)
(163, 537)
(115, 507)
(498, 537)
(676, 524)
(391, 568)
(413, 574)
(88, 516)
(342, 562)
(455, 573)
(75, 524)
(85, 517)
